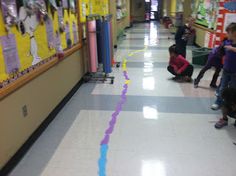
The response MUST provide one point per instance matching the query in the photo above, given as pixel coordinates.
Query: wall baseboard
(12, 163)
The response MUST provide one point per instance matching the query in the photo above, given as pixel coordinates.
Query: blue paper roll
(106, 47)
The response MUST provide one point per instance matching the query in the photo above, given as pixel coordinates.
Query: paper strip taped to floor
(105, 141)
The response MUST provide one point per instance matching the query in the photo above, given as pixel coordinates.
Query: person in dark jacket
(182, 35)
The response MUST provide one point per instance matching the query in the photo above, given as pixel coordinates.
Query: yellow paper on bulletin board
(105, 7)
(96, 6)
(84, 9)
(100, 7)
(40, 35)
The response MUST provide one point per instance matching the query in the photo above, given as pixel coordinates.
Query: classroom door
(151, 10)
(147, 10)
(154, 10)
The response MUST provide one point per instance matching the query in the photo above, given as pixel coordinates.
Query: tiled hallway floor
(165, 128)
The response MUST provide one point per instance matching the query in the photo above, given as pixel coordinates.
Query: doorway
(151, 10)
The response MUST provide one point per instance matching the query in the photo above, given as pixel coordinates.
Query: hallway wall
(187, 9)
(41, 96)
(112, 9)
(173, 7)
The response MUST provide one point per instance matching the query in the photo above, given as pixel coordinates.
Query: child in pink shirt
(179, 66)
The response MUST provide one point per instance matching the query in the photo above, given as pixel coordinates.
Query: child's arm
(185, 64)
(231, 48)
(173, 65)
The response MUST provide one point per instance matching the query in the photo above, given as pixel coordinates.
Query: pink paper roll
(92, 46)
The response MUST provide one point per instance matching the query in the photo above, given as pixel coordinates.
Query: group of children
(222, 57)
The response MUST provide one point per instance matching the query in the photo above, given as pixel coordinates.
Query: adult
(182, 36)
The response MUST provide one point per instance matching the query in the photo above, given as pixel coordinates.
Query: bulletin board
(228, 14)
(205, 12)
(229, 18)
(43, 30)
(88, 7)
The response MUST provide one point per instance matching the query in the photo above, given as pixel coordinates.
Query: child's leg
(188, 71)
(224, 113)
(171, 70)
(223, 84)
(215, 77)
(233, 80)
(224, 120)
(201, 73)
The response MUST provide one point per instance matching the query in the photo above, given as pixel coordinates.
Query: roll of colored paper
(107, 50)
(99, 39)
(111, 41)
(92, 43)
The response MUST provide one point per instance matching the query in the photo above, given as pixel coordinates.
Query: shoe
(187, 79)
(175, 78)
(180, 80)
(221, 123)
(213, 86)
(195, 84)
(215, 107)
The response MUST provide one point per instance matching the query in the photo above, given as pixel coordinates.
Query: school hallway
(159, 127)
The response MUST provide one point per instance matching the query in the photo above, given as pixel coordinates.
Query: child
(229, 74)
(182, 35)
(228, 107)
(179, 66)
(215, 59)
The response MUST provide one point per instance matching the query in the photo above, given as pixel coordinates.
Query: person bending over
(215, 59)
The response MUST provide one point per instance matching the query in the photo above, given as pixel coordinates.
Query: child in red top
(179, 66)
